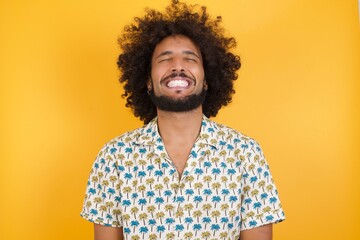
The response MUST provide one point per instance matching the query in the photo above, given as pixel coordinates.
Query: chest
(204, 201)
(179, 154)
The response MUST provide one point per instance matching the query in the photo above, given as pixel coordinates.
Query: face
(177, 75)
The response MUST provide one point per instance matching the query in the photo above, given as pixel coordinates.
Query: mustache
(177, 74)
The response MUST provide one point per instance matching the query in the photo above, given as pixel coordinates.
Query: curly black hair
(140, 38)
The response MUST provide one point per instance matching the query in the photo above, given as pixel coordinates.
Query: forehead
(176, 44)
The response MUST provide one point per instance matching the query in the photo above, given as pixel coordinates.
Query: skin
(259, 233)
(176, 54)
(107, 233)
(179, 54)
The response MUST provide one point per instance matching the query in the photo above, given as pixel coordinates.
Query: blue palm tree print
(215, 227)
(206, 220)
(91, 191)
(253, 223)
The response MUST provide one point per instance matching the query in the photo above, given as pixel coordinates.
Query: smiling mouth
(178, 80)
(178, 83)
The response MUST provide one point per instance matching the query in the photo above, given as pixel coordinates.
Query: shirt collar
(149, 134)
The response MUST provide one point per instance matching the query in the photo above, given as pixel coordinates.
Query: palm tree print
(226, 186)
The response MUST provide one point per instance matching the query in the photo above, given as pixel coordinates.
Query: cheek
(197, 72)
(157, 72)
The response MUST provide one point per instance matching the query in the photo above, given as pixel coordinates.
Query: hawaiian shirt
(226, 186)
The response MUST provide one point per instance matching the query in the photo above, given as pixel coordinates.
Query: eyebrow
(186, 52)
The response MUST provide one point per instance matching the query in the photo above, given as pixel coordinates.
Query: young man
(181, 176)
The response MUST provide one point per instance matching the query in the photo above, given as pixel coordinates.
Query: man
(181, 176)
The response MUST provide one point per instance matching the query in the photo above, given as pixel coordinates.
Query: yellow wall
(297, 94)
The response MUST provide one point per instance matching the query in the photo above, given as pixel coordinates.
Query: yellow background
(297, 94)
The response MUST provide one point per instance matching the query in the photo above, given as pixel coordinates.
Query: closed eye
(164, 60)
(191, 60)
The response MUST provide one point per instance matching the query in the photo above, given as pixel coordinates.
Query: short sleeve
(102, 198)
(260, 201)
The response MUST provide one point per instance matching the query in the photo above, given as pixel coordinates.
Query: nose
(177, 67)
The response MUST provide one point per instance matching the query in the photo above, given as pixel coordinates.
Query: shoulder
(229, 135)
(123, 141)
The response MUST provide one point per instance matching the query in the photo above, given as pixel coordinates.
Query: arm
(107, 233)
(259, 233)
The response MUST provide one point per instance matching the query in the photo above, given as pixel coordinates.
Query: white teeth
(178, 83)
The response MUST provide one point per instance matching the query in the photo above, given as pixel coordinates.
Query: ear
(149, 84)
(205, 85)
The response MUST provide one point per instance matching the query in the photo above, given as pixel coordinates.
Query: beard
(184, 104)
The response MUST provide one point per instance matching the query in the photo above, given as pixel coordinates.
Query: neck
(179, 127)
